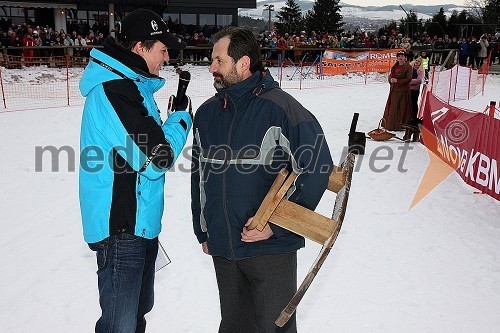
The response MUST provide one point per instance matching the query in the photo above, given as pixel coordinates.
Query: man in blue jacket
(125, 150)
(242, 138)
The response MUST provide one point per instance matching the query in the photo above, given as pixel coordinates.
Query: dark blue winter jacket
(242, 138)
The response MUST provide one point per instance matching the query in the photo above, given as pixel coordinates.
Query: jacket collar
(249, 88)
(126, 57)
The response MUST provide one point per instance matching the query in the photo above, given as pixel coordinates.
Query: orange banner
(336, 62)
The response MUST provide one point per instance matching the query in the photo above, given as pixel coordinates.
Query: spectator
(58, 50)
(425, 64)
(405, 45)
(417, 79)
(99, 39)
(273, 44)
(398, 108)
(46, 42)
(463, 51)
(417, 43)
(16, 42)
(343, 43)
(297, 53)
(382, 43)
(29, 53)
(493, 49)
(438, 46)
(36, 38)
(483, 51)
(80, 50)
(196, 41)
(474, 48)
(68, 41)
(453, 45)
(5, 39)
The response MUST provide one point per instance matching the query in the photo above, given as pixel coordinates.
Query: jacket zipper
(224, 194)
(137, 214)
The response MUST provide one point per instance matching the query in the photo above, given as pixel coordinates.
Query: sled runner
(302, 221)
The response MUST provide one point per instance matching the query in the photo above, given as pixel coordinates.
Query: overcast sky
(402, 2)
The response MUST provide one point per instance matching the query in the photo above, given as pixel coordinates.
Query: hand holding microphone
(181, 102)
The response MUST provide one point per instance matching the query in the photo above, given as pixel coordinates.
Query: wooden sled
(302, 221)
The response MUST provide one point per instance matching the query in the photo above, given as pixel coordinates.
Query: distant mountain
(369, 16)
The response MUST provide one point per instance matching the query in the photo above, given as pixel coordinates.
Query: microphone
(184, 78)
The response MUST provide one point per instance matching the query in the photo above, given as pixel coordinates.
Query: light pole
(269, 8)
(407, 21)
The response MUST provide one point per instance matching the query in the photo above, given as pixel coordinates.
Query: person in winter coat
(493, 49)
(4, 39)
(16, 41)
(398, 109)
(243, 136)
(67, 41)
(28, 53)
(80, 51)
(463, 51)
(474, 48)
(415, 83)
(425, 63)
(125, 150)
(483, 51)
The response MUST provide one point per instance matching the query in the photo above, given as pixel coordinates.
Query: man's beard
(224, 81)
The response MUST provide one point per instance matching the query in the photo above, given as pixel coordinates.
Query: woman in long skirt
(398, 107)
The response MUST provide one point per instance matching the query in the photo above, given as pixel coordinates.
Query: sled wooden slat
(280, 178)
(275, 201)
(303, 221)
(336, 180)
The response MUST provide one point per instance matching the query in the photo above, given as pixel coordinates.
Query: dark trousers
(472, 62)
(414, 102)
(253, 292)
(126, 270)
(462, 59)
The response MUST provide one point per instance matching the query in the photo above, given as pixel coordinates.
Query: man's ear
(244, 63)
(138, 49)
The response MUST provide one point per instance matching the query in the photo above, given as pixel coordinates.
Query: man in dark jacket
(242, 137)
(474, 48)
(463, 51)
(125, 150)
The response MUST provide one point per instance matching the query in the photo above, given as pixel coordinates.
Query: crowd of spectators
(303, 46)
(53, 40)
(472, 51)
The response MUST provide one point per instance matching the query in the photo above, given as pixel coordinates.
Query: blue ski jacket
(242, 138)
(125, 149)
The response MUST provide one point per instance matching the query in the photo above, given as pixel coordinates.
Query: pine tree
(290, 18)
(454, 23)
(409, 25)
(439, 24)
(491, 13)
(325, 17)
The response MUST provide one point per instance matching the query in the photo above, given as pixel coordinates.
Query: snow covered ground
(435, 268)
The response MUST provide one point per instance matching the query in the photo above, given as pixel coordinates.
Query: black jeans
(253, 292)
